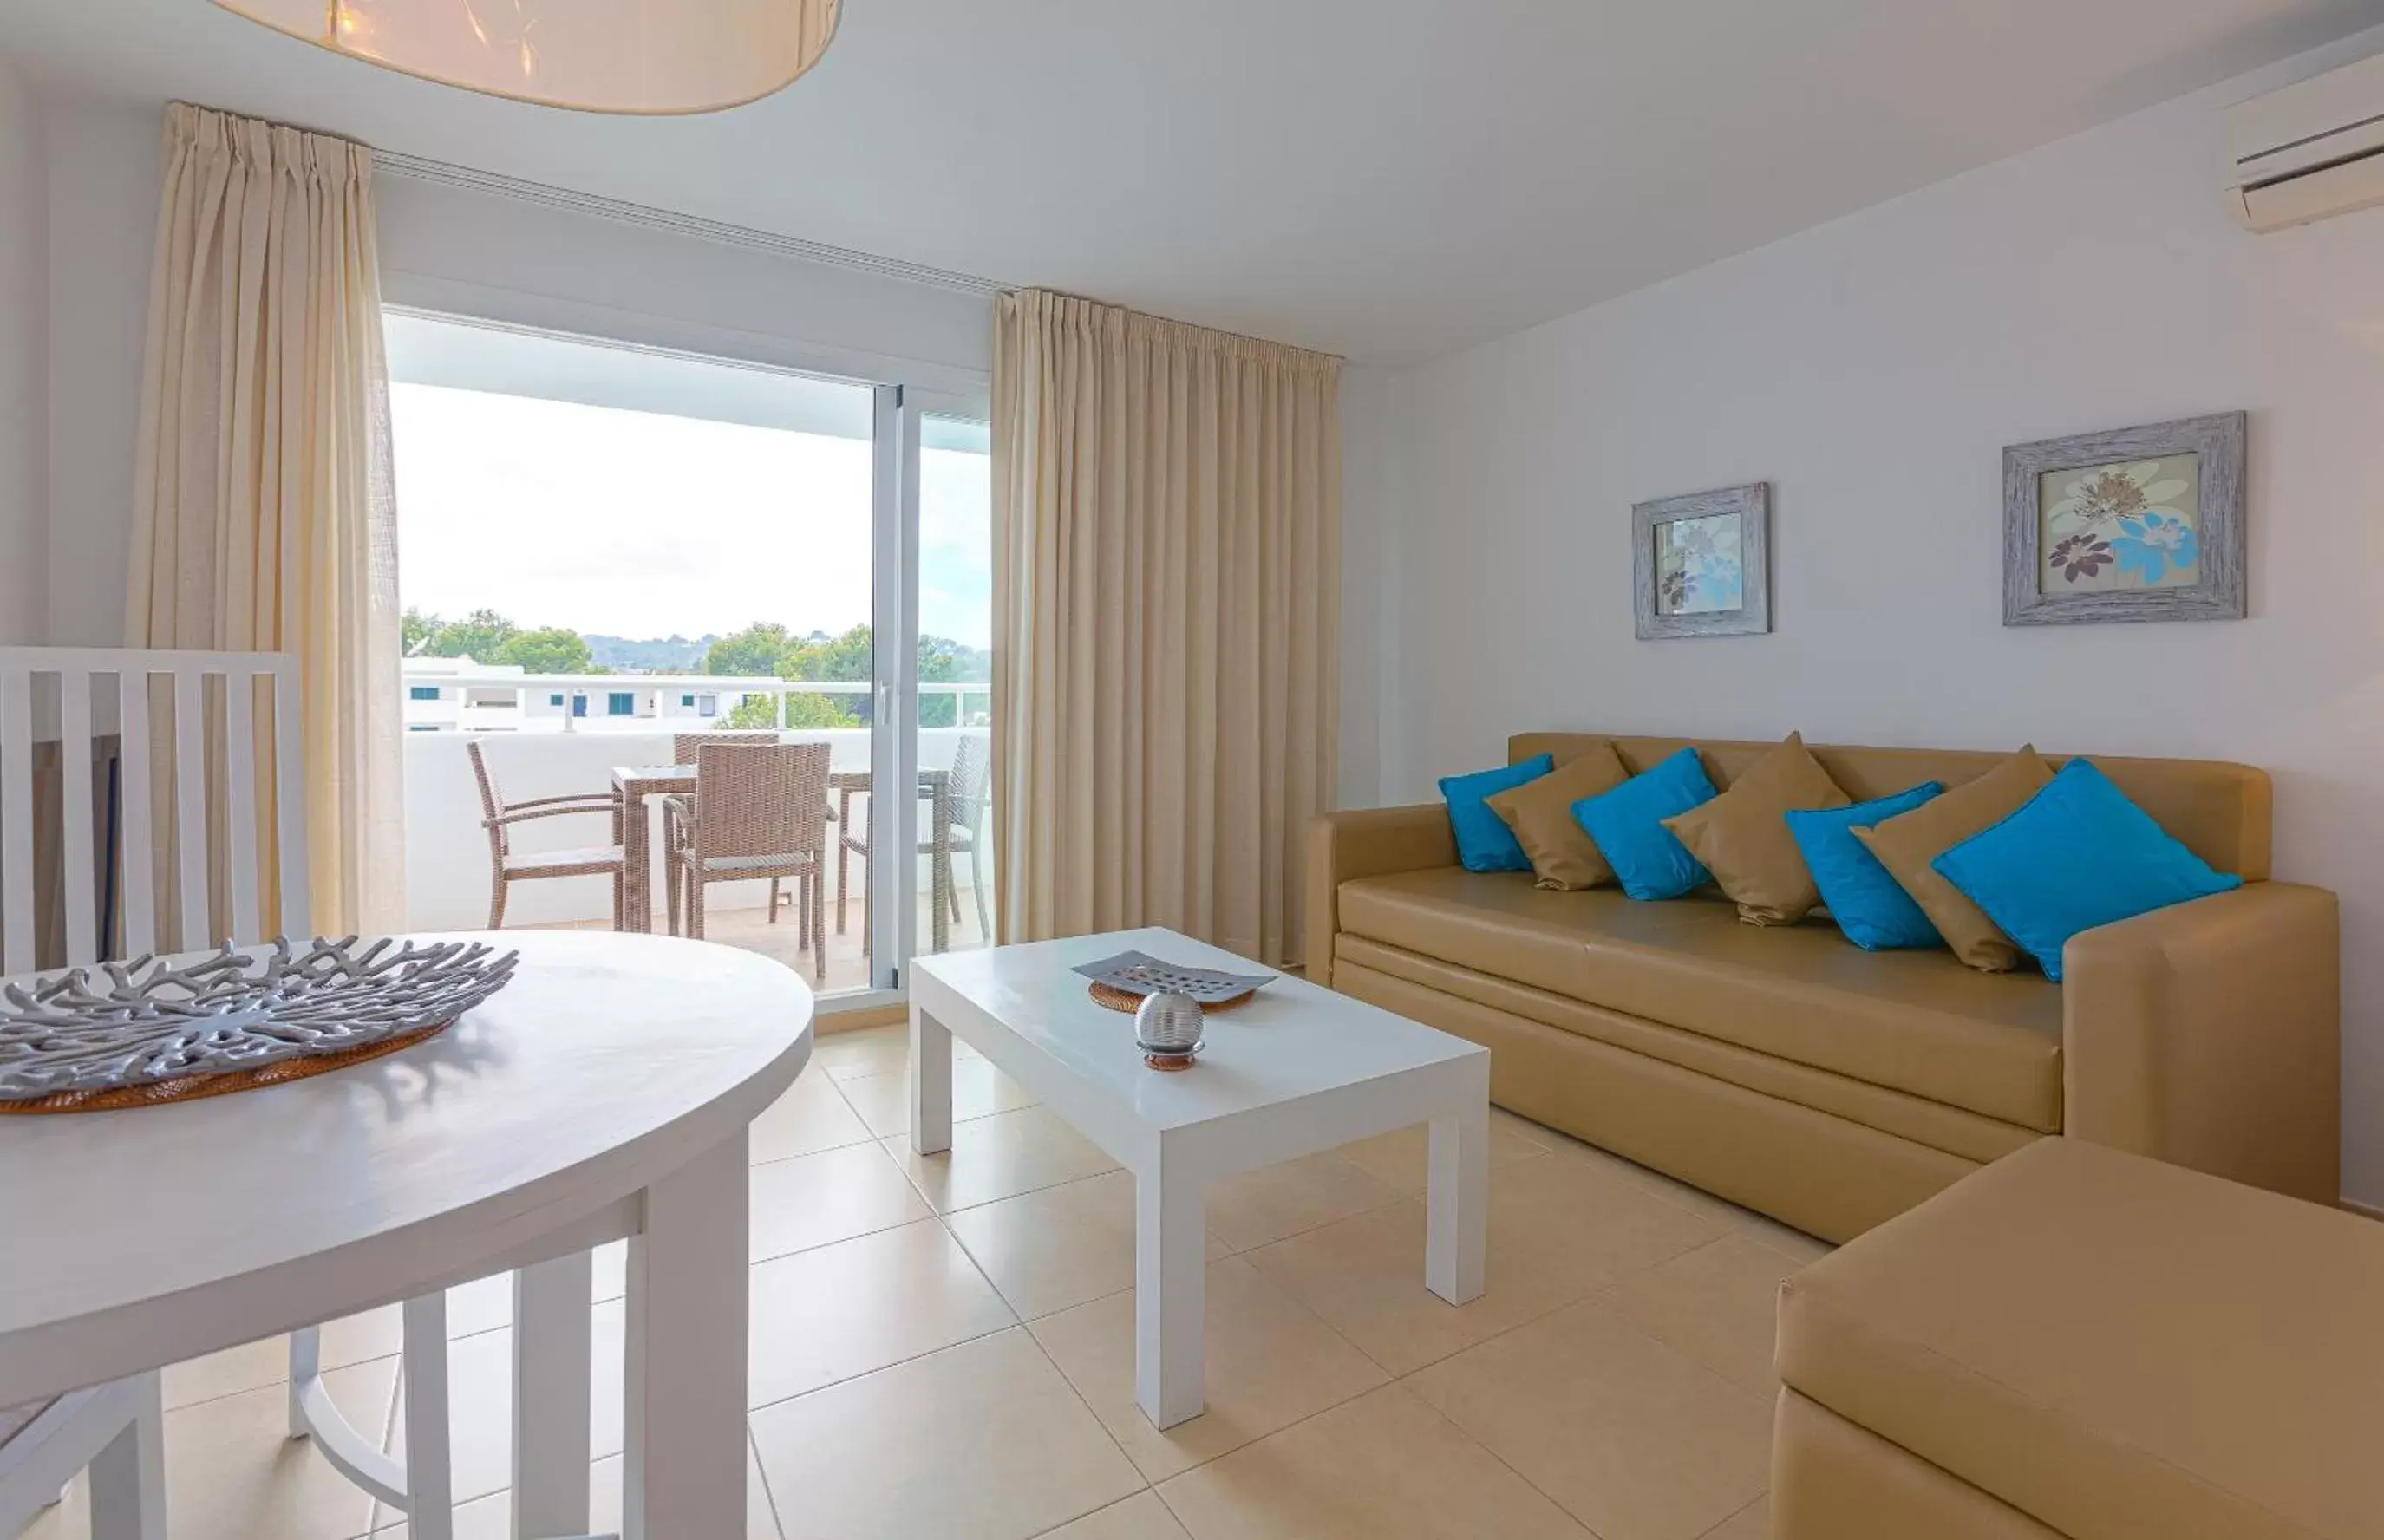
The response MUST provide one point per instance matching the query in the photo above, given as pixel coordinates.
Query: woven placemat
(193, 1087)
(1128, 1003)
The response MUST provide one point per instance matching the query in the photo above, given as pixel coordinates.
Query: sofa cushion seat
(1913, 1021)
(2116, 1346)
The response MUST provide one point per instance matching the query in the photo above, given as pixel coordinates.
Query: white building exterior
(460, 695)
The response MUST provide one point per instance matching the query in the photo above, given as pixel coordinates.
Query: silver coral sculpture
(150, 1020)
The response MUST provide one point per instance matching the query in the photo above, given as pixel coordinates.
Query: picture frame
(1701, 562)
(2137, 523)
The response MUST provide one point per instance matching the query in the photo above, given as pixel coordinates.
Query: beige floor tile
(839, 1311)
(232, 1474)
(1557, 1234)
(978, 1091)
(356, 1340)
(610, 1267)
(1382, 1467)
(1716, 1304)
(831, 1196)
(491, 1518)
(1270, 1362)
(870, 1051)
(1751, 1522)
(985, 1440)
(998, 1156)
(1140, 1516)
(812, 1116)
(1402, 1158)
(1275, 1201)
(1060, 1247)
(1636, 1441)
(1761, 1228)
(1795, 1245)
(480, 1402)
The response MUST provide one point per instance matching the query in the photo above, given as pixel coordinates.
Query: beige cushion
(1742, 836)
(1906, 843)
(1540, 814)
(2218, 810)
(1913, 1020)
(2118, 1347)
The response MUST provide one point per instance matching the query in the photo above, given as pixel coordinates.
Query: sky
(641, 525)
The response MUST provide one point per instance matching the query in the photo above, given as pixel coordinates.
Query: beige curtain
(1167, 509)
(264, 518)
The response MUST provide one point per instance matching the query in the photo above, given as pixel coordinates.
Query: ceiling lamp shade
(596, 55)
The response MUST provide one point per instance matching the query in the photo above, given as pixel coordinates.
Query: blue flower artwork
(1699, 568)
(2122, 525)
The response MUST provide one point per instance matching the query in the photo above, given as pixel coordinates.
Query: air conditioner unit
(2310, 150)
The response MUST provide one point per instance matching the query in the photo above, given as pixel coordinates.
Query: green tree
(944, 661)
(803, 711)
(417, 632)
(480, 636)
(547, 650)
(819, 656)
(755, 651)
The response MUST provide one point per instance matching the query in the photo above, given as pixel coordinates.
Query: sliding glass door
(954, 674)
(609, 551)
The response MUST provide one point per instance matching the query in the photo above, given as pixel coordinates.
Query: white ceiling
(1387, 178)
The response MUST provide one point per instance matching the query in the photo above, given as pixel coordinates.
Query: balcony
(539, 745)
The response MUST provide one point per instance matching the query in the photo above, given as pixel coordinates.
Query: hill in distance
(666, 655)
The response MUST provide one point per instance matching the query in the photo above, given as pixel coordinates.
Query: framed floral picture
(1701, 565)
(2143, 523)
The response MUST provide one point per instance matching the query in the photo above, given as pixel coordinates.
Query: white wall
(24, 363)
(1871, 370)
(101, 163)
(1366, 512)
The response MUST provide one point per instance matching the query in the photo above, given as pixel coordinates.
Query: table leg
(1170, 1280)
(430, 1474)
(931, 1083)
(683, 1466)
(1458, 1204)
(551, 1378)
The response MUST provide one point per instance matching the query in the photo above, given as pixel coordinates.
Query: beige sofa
(1787, 1070)
(2078, 1343)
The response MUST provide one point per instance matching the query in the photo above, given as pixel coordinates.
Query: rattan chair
(683, 748)
(760, 810)
(956, 828)
(684, 745)
(506, 867)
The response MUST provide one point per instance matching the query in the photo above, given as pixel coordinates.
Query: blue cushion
(1626, 824)
(2076, 855)
(1872, 908)
(1485, 844)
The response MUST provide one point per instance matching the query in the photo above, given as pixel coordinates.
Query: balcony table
(633, 783)
(605, 1092)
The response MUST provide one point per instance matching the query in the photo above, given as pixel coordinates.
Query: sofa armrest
(2209, 1034)
(1366, 842)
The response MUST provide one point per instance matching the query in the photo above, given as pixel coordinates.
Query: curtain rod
(420, 168)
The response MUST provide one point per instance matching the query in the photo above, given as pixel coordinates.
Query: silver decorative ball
(1167, 1023)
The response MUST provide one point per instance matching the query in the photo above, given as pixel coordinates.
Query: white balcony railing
(498, 699)
(539, 750)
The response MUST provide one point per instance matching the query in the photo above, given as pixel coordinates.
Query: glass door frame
(894, 903)
(896, 409)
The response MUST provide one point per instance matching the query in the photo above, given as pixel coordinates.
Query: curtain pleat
(1167, 507)
(265, 518)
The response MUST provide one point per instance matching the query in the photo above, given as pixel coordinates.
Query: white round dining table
(603, 1093)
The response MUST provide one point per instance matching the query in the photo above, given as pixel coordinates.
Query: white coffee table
(1297, 1070)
